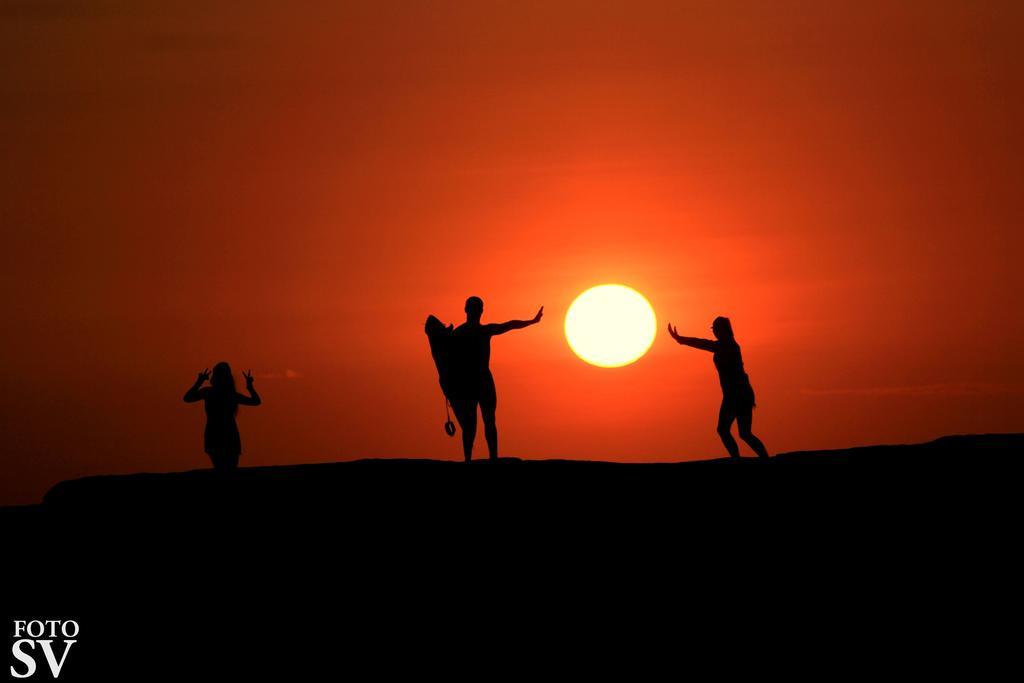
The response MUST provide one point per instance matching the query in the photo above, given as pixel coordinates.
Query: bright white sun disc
(610, 325)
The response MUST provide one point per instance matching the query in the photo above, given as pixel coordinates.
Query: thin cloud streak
(938, 389)
(287, 374)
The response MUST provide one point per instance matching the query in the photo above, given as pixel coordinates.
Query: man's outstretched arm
(695, 342)
(502, 328)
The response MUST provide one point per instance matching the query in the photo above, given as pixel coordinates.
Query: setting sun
(610, 325)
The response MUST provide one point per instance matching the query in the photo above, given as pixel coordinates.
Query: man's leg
(465, 413)
(744, 418)
(725, 419)
(488, 407)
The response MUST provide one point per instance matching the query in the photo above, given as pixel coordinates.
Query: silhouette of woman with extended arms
(471, 383)
(737, 394)
(221, 440)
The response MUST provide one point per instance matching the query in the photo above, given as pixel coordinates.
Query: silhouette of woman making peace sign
(221, 440)
(737, 394)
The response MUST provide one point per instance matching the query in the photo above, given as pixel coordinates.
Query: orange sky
(296, 190)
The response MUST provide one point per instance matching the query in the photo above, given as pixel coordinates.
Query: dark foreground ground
(408, 565)
(397, 502)
(393, 494)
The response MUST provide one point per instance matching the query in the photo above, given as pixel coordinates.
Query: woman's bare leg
(744, 420)
(725, 419)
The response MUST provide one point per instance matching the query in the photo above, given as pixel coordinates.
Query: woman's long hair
(223, 383)
(723, 328)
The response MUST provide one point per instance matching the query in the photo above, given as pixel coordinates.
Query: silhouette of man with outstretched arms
(471, 383)
(737, 394)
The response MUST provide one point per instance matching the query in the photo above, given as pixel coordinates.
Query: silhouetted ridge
(420, 488)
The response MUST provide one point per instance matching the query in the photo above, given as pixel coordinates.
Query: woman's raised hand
(249, 379)
(203, 376)
(540, 314)
(673, 332)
